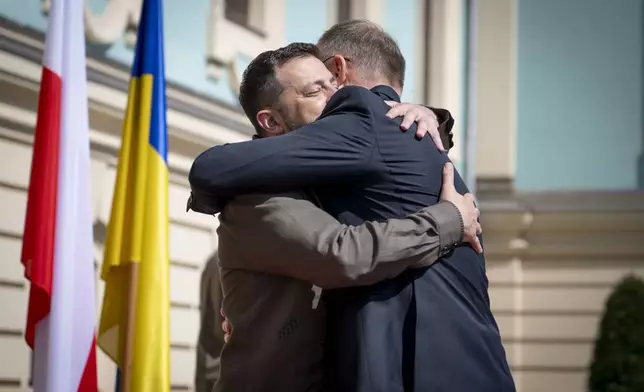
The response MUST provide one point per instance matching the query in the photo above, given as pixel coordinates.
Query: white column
(496, 90)
(368, 9)
(446, 65)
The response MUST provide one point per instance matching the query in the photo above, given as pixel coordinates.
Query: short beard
(289, 123)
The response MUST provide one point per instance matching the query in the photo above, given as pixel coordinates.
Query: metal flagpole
(471, 24)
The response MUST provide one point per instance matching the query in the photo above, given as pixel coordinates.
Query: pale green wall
(580, 94)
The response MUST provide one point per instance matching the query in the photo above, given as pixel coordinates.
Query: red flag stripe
(89, 379)
(40, 221)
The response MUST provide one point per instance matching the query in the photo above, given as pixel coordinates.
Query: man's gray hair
(366, 45)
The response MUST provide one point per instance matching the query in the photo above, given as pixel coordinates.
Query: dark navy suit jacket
(425, 330)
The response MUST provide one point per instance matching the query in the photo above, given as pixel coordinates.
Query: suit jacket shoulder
(351, 99)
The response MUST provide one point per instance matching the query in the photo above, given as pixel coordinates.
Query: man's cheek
(321, 105)
(317, 112)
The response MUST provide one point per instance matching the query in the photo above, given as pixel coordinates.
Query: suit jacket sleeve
(288, 235)
(338, 147)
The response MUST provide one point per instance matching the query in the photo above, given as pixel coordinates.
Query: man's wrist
(450, 224)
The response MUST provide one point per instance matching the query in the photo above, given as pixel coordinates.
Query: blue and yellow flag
(134, 326)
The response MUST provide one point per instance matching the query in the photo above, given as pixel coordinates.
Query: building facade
(548, 97)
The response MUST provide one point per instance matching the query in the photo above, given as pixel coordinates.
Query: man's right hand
(465, 205)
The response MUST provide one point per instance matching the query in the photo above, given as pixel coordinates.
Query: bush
(618, 359)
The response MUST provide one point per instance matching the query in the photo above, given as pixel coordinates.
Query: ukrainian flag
(134, 325)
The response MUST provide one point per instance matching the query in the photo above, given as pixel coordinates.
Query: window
(238, 11)
(248, 22)
(344, 10)
(246, 13)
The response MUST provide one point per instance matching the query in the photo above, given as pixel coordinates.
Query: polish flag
(57, 250)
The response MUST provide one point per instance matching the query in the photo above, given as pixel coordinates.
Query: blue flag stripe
(149, 61)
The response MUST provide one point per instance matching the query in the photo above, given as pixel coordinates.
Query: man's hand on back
(426, 120)
(465, 205)
(427, 123)
(225, 327)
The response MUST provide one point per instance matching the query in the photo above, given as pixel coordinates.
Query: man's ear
(339, 69)
(271, 122)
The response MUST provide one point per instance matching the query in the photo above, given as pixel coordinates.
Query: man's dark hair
(367, 47)
(259, 87)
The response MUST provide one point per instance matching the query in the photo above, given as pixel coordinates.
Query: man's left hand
(225, 327)
(426, 120)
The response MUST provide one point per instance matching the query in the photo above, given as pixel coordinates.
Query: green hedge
(618, 359)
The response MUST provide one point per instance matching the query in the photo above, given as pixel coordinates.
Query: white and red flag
(57, 250)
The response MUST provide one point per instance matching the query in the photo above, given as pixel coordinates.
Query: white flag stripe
(72, 317)
(53, 57)
(52, 60)
(41, 355)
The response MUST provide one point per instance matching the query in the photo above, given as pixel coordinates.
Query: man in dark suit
(429, 329)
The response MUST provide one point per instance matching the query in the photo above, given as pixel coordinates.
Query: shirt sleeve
(211, 336)
(288, 235)
(338, 147)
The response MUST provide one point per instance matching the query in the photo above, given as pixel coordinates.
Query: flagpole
(125, 375)
(117, 384)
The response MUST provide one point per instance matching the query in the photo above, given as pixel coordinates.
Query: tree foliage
(618, 360)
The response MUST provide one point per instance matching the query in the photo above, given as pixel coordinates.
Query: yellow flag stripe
(151, 365)
(140, 203)
(123, 242)
(124, 233)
